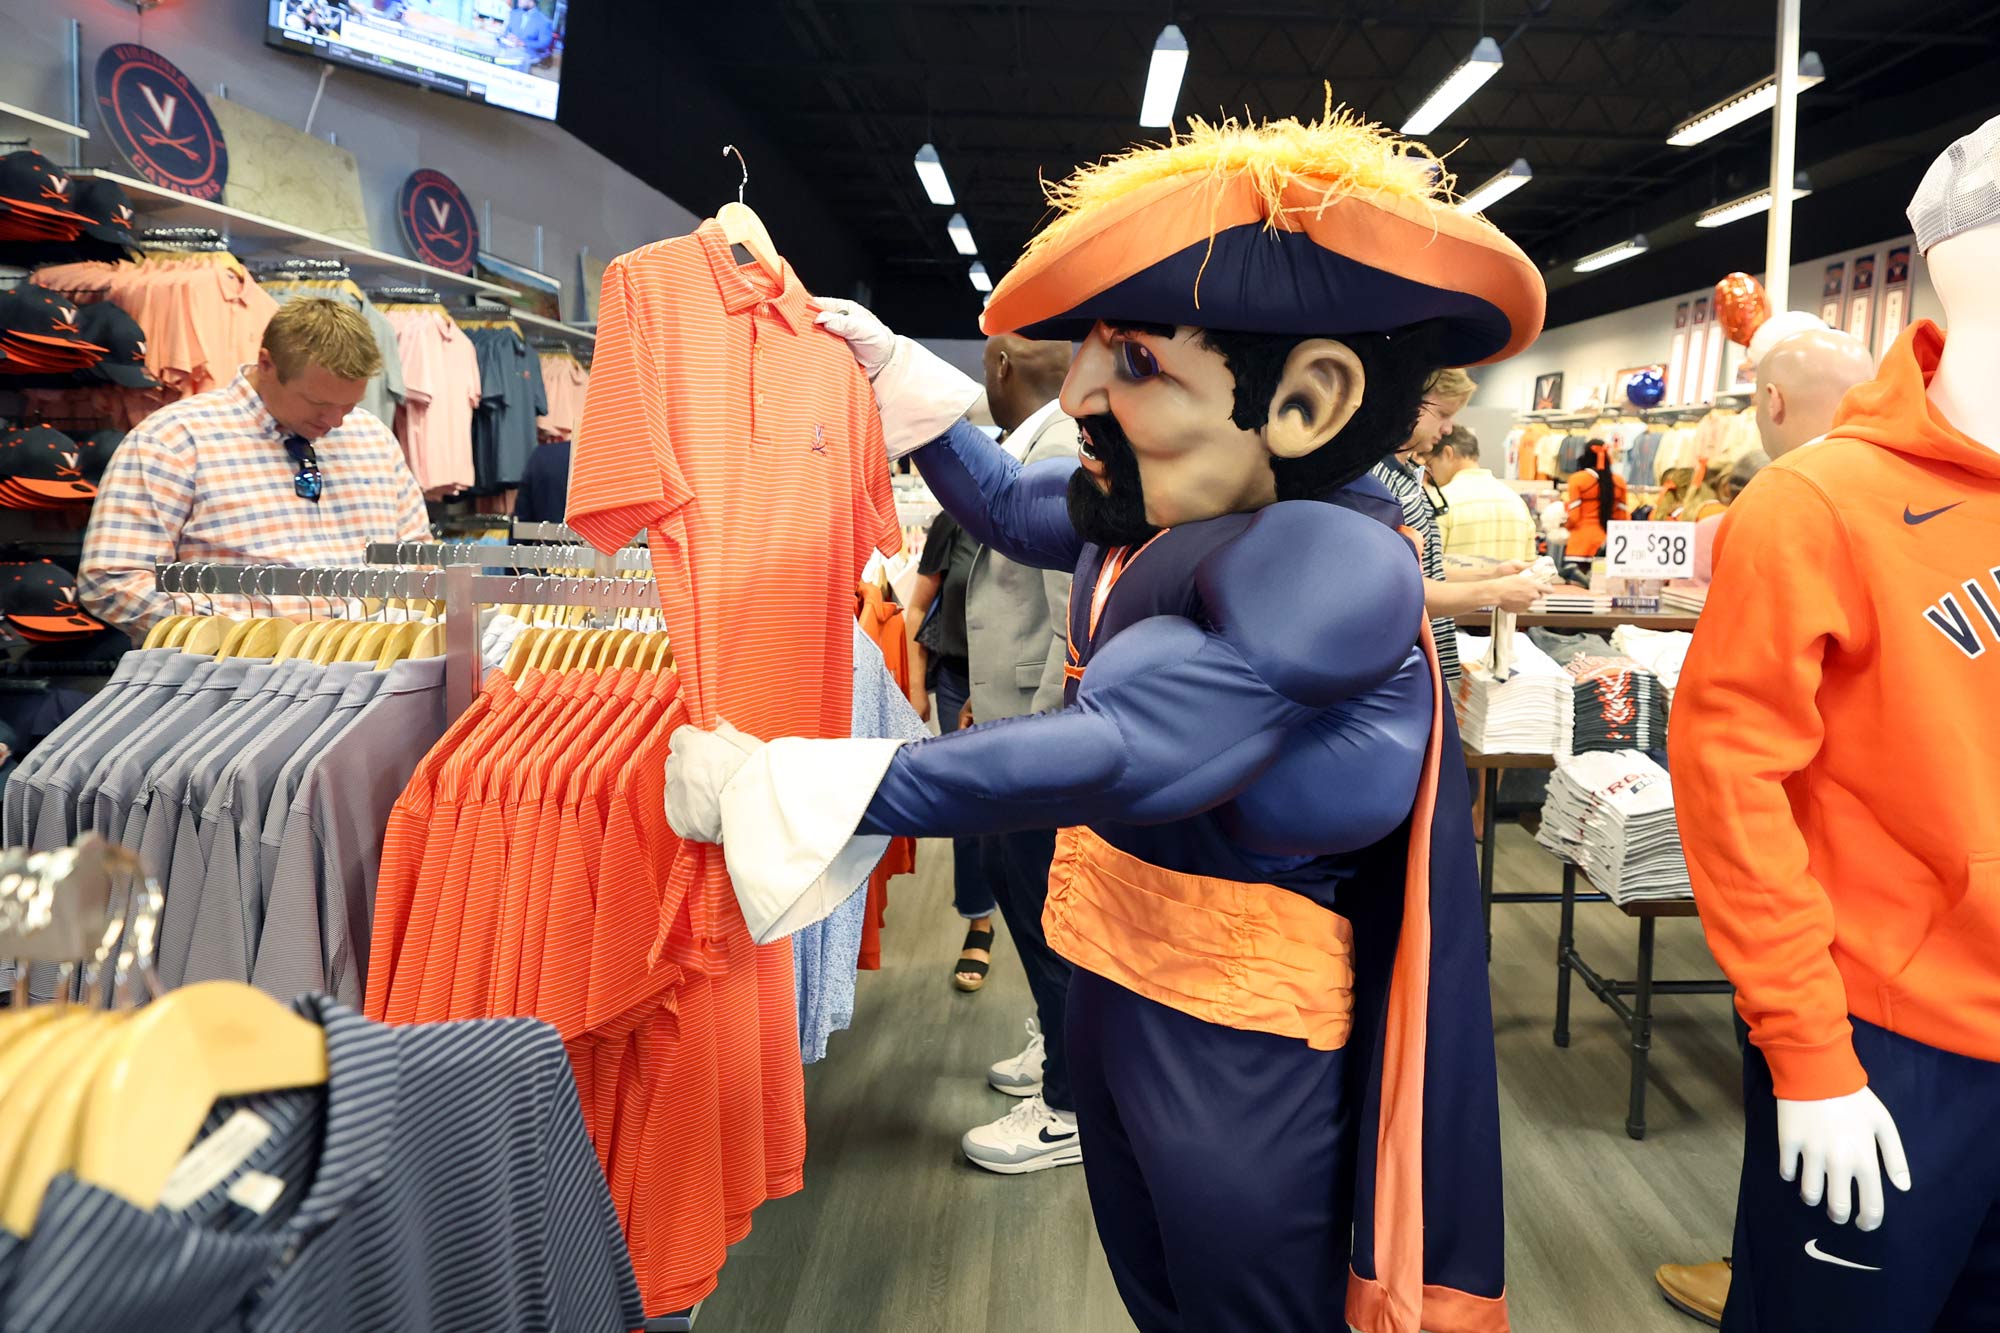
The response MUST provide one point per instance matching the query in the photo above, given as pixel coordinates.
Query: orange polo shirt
(747, 440)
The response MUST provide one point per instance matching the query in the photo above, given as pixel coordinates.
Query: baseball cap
(124, 343)
(41, 468)
(39, 600)
(1961, 191)
(108, 210)
(95, 450)
(32, 187)
(39, 332)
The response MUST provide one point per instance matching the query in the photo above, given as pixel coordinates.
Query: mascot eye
(1137, 361)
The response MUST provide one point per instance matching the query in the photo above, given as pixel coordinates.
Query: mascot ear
(1318, 393)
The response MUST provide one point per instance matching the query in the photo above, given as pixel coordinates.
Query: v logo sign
(440, 211)
(163, 111)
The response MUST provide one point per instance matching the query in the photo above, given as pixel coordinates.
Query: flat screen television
(505, 53)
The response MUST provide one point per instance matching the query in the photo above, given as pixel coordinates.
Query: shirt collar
(252, 402)
(742, 289)
(1022, 438)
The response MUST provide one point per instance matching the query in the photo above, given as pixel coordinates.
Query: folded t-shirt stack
(1611, 814)
(1688, 598)
(1662, 652)
(1527, 712)
(1619, 705)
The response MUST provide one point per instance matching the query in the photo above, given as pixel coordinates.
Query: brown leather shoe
(1696, 1289)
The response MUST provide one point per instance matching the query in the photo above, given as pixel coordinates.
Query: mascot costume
(1279, 1021)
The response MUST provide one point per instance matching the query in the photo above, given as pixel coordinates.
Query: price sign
(1649, 551)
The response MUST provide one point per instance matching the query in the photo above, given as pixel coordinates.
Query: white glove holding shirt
(1830, 1146)
(785, 814)
(918, 393)
(698, 768)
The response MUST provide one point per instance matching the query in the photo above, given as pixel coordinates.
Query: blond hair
(323, 333)
(1451, 385)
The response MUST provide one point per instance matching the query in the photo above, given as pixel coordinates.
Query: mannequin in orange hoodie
(1840, 791)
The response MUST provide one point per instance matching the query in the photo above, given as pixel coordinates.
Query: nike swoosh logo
(1914, 519)
(1047, 1137)
(1813, 1251)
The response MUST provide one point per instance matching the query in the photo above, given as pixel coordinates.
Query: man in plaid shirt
(279, 467)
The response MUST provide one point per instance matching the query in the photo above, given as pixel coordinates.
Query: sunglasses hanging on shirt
(307, 483)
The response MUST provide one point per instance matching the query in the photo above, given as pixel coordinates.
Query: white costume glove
(700, 765)
(918, 393)
(1838, 1139)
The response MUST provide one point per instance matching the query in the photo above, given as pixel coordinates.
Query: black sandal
(973, 967)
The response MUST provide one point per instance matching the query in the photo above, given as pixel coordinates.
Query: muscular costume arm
(1174, 718)
(1021, 512)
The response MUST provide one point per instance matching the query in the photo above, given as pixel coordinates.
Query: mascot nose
(1084, 391)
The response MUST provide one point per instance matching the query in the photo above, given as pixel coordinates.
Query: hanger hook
(728, 149)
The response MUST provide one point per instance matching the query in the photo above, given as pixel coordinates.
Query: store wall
(1591, 351)
(531, 171)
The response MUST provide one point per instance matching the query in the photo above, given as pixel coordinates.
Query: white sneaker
(1021, 1075)
(1031, 1137)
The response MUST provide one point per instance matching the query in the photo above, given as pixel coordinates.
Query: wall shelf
(253, 235)
(9, 113)
(555, 326)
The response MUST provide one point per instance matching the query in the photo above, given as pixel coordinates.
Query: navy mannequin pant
(1934, 1263)
(1220, 1166)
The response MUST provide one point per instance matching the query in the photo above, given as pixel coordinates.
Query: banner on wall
(1691, 385)
(1861, 298)
(1830, 295)
(160, 123)
(437, 223)
(1895, 300)
(1677, 354)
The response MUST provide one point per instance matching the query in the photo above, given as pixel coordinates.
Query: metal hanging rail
(577, 555)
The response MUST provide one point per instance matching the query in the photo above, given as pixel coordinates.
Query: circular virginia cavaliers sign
(437, 223)
(160, 122)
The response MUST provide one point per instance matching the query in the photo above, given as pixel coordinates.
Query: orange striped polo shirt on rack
(745, 437)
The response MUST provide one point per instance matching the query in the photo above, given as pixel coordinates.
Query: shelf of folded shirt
(13, 117)
(250, 234)
(1637, 1016)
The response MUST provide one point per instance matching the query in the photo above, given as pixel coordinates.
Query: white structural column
(1784, 152)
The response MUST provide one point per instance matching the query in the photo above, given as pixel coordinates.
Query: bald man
(1800, 383)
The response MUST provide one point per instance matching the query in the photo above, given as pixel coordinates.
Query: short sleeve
(879, 526)
(622, 475)
(938, 542)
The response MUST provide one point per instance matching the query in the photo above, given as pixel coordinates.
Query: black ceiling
(830, 99)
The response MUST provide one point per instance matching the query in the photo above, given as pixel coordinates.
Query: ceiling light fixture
(1753, 101)
(1471, 74)
(1612, 254)
(930, 170)
(961, 235)
(1750, 205)
(980, 282)
(1163, 78)
(1502, 185)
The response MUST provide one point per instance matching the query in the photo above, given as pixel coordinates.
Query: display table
(1638, 1015)
(1489, 767)
(1585, 621)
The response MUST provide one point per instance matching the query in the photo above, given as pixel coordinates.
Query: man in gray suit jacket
(1016, 625)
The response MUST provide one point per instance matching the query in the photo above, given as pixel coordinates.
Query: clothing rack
(577, 555)
(557, 532)
(407, 295)
(462, 588)
(192, 240)
(301, 268)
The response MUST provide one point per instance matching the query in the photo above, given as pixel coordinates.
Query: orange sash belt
(1249, 956)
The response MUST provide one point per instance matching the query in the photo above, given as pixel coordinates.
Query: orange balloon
(1742, 307)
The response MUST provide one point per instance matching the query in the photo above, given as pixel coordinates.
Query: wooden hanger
(39, 1115)
(741, 225)
(173, 1060)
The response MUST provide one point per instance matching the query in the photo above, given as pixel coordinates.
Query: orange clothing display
(1586, 526)
(1831, 762)
(567, 383)
(441, 391)
(882, 621)
(721, 419)
(203, 314)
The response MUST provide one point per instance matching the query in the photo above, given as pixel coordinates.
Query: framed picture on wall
(1548, 391)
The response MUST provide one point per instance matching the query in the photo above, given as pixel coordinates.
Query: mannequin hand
(867, 337)
(699, 767)
(1837, 1139)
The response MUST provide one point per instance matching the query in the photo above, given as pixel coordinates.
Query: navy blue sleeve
(1313, 607)
(1020, 512)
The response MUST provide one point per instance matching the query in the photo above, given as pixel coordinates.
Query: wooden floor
(895, 1232)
